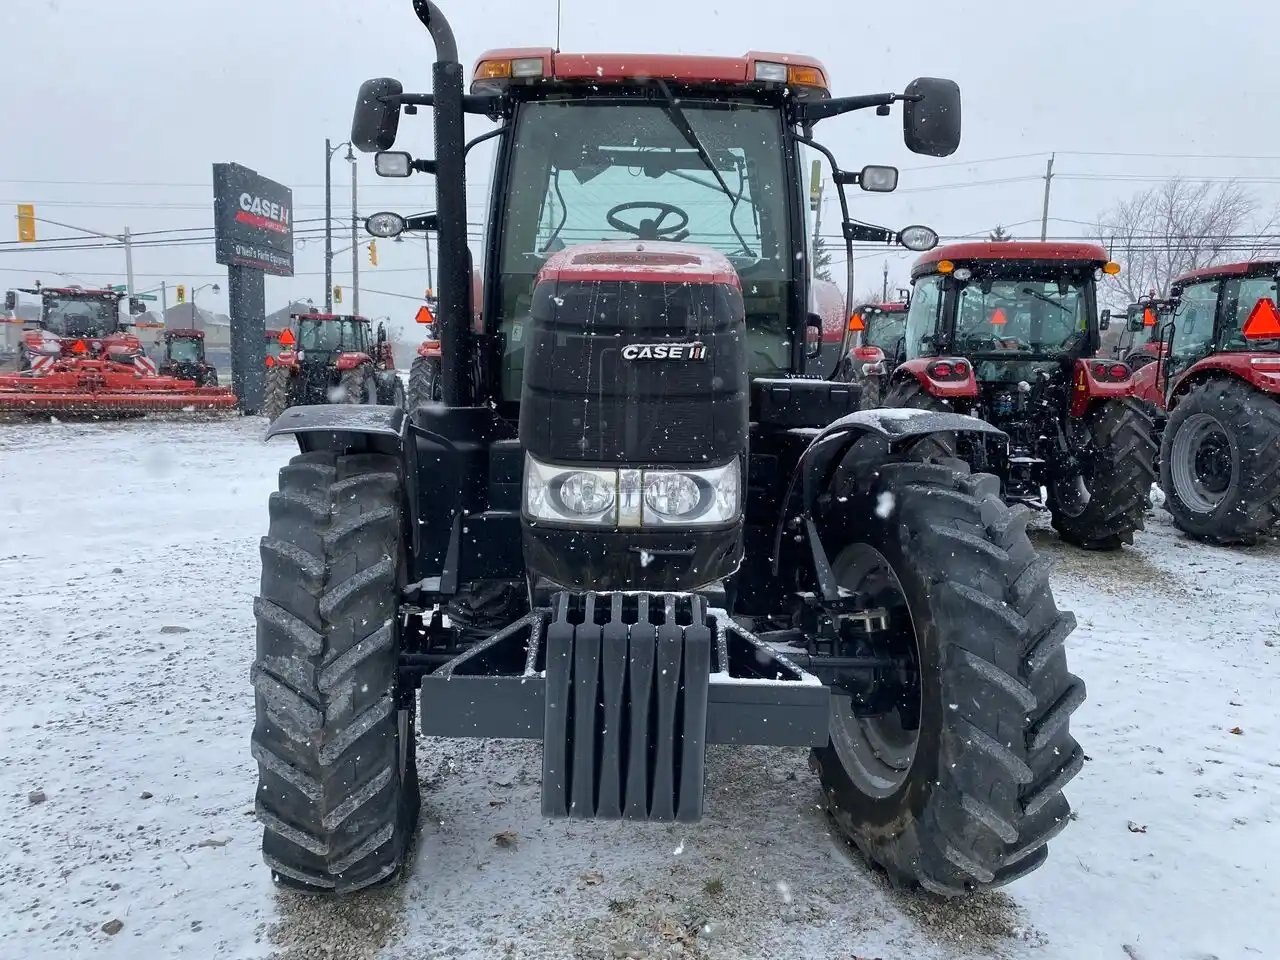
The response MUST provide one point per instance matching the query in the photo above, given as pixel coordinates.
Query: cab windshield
(330, 336)
(1021, 316)
(81, 316)
(586, 171)
(184, 350)
(1247, 294)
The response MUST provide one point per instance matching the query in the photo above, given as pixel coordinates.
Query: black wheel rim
(877, 752)
(1072, 482)
(1201, 463)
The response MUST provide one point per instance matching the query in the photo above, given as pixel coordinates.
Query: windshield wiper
(681, 123)
(1041, 296)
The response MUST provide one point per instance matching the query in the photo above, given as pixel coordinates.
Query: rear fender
(1260, 370)
(962, 389)
(349, 361)
(1087, 389)
(429, 348)
(1146, 385)
(820, 458)
(343, 428)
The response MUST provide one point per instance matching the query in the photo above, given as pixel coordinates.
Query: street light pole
(328, 228)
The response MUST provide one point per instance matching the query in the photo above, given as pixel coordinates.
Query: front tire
(969, 801)
(275, 394)
(425, 381)
(334, 738)
(1101, 507)
(1220, 463)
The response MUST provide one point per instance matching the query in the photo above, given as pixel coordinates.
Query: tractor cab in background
(1008, 331)
(1141, 341)
(184, 357)
(872, 340)
(80, 322)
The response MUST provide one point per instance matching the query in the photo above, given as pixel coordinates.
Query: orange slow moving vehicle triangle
(286, 337)
(998, 318)
(1148, 317)
(424, 315)
(1263, 322)
(855, 322)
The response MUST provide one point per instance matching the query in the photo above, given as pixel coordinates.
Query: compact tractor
(872, 338)
(330, 358)
(1008, 331)
(1216, 387)
(81, 358)
(1140, 341)
(184, 358)
(637, 523)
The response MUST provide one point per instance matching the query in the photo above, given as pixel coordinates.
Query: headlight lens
(570, 495)
(631, 498)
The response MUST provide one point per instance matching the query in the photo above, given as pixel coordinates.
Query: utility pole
(164, 300)
(431, 284)
(128, 262)
(328, 228)
(355, 238)
(884, 288)
(1044, 216)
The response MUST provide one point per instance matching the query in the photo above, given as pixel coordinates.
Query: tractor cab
(274, 347)
(1141, 341)
(78, 323)
(184, 357)
(872, 339)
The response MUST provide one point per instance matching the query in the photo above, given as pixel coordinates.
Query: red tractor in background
(1140, 341)
(1217, 384)
(274, 346)
(871, 341)
(184, 357)
(1008, 331)
(424, 373)
(331, 358)
(80, 357)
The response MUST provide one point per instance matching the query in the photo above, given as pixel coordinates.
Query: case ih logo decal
(263, 214)
(664, 351)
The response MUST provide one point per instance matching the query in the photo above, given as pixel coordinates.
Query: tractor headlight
(570, 495)
(631, 498)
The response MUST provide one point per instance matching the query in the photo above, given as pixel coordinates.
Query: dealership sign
(253, 220)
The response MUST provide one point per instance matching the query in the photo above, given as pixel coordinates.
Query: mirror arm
(811, 113)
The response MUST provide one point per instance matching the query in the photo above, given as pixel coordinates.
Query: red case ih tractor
(331, 358)
(1007, 331)
(424, 373)
(1217, 383)
(80, 358)
(636, 523)
(184, 358)
(871, 341)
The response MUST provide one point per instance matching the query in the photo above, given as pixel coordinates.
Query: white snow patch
(884, 505)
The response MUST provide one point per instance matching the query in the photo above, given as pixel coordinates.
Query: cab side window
(922, 317)
(1193, 321)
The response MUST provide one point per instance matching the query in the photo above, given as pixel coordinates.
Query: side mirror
(137, 307)
(376, 122)
(1135, 323)
(813, 336)
(1104, 320)
(11, 301)
(931, 117)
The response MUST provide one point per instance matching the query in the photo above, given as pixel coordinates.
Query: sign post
(253, 234)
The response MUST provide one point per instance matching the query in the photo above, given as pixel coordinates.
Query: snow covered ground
(128, 562)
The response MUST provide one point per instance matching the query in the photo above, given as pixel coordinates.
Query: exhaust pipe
(453, 317)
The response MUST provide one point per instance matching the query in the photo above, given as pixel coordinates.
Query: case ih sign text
(253, 220)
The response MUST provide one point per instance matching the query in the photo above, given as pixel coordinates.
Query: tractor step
(625, 690)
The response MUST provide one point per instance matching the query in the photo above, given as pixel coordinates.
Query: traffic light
(26, 223)
(182, 293)
(337, 294)
(373, 253)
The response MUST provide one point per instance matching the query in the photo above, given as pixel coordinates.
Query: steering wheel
(650, 229)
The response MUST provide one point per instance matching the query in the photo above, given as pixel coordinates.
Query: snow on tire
(334, 740)
(275, 393)
(971, 798)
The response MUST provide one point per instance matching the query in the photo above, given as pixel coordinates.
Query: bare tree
(1163, 232)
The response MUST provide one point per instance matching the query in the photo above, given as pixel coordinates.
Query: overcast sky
(114, 112)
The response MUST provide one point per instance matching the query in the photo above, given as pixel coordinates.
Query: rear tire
(1119, 452)
(334, 739)
(1220, 463)
(358, 386)
(974, 802)
(424, 381)
(275, 394)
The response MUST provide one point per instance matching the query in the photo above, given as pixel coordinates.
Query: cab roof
(807, 77)
(1228, 270)
(895, 306)
(199, 334)
(1021, 250)
(645, 262)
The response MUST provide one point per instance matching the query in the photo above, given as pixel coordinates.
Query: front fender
(896, 426)
(343, 428)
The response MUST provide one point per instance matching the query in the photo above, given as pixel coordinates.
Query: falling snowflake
(884, 505)
(784, 890)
